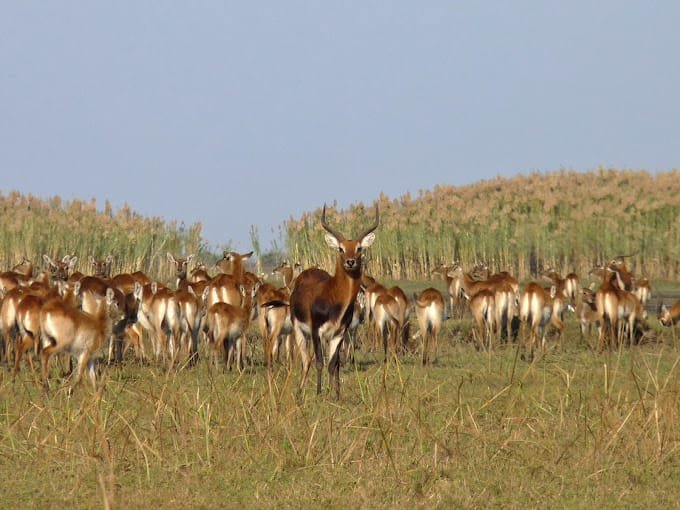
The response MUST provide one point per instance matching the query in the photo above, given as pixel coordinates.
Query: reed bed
(567, 220)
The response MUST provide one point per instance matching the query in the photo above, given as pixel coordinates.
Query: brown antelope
(668, 317)
(642, 290)
(65, 328)
(453, 289)
(586, 311)
(9, 328)
(20, 274)
(566, 287)
(199, 274)
(288, 273)
(535, 311)
(391, 319)
(101, 268)
(322, 305)
(372, 289)
(28, 322)
(350, 341)
(483, 309)
(274, 321)
(225, 287)
(181, 267)
(505, 289)
(226, 327)
(607, 305)
(159, 314)
(60, 270)
(429, 306)
(630, 310)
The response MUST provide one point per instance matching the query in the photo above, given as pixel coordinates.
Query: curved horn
(328, 228)
(374, 226)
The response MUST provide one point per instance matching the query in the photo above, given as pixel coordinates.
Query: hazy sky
(235, 114)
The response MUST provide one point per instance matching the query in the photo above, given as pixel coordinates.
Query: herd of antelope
(314, 313)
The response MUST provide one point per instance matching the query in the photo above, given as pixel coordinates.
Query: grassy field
(574, 429)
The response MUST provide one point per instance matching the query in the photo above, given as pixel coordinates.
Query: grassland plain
(575, 429)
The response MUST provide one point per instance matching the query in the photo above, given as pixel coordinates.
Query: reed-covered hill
(31, 226)
(567, 220)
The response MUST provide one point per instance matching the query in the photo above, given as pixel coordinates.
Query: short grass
(574, 429)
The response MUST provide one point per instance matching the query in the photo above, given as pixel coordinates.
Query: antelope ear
(332, 241)
(368, 240)
(138, 291)
(90, 259)
(72, 262)
(190, 258)
(171, 258)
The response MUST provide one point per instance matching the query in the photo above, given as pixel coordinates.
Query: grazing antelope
(65, 328)
(322, 305)
(226, 327)
(429, 306)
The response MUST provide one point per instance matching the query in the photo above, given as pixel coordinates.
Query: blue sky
(238, 114)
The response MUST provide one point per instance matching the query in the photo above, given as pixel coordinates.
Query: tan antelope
(642, 290)
(101, 268)
(586, 311)
(19, 275)
(453, 289)
(287, 272)
(372, 289)
(483, 309)
(322, 305)
(199, 274)
(630, 310)
(391, 319)
(60, 270)
(226, 326)
(274, 321)
(505, 290)
(66, 328)
(225, 287)
(429, 305)
(9, 328)
(669, 317)
(181, 267)
(535, 310)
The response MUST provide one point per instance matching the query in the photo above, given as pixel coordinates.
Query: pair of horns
(338, 235)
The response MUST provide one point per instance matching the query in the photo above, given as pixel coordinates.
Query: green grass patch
(573, 429)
